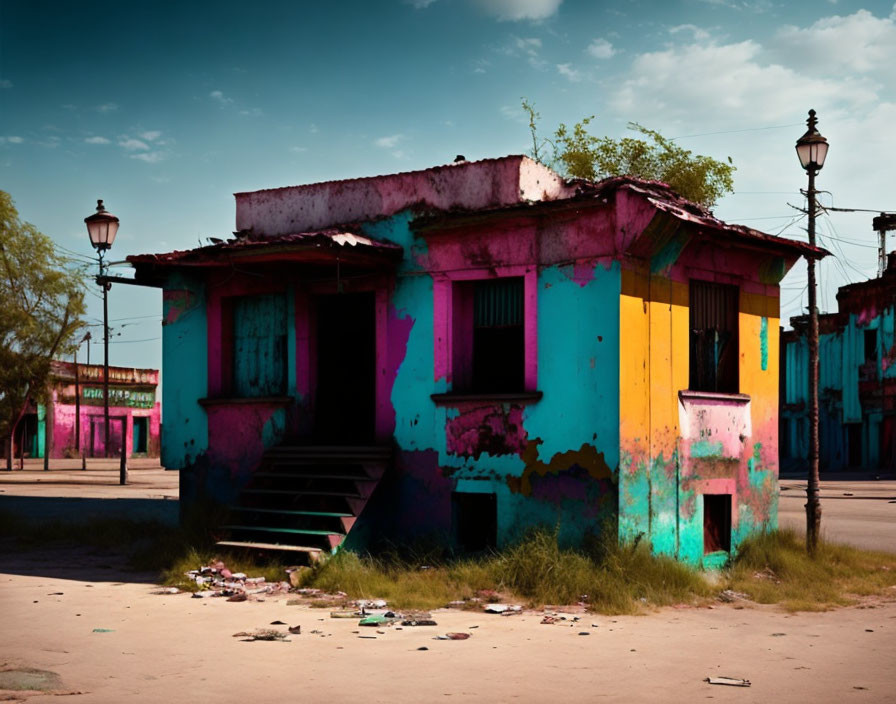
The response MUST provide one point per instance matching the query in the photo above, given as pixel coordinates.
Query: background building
(857, 381)
(71, 423)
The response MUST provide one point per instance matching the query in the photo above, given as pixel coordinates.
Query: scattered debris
(502, 608)
(778, 635)
(453, 636)
(239, 596)
(584, 633)
(730, 681)
(167, 590)
(421, 622)
(295, 630)
(261, 634)
(278, 623)
(729, 595)
(103, 630)
(549, 620)
(345, 614)
(422, 647)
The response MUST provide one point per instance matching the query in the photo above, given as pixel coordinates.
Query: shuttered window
(714, 337)
(259, 345)
(488, 349)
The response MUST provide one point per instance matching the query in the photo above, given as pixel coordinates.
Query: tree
(41, 302)
(579, 154)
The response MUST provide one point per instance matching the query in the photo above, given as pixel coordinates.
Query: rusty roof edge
(360, 179)
(306, 239)
(744, 233)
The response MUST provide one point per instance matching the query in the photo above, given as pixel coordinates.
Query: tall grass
(609, 578)
(774, 568)
(536, 570)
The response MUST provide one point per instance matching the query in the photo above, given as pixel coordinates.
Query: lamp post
(812, 149)
(102, 227)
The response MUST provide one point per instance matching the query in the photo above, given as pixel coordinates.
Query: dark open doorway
(716, 523)
(346, 369)
(141, 434)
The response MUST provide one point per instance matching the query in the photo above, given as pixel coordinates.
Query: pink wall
(463, 186)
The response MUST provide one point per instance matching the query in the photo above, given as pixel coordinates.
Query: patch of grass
(536, 570)
(774, 568)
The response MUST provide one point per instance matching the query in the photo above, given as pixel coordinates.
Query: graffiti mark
(176, 302)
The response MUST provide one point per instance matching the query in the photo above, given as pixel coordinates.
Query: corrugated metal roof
(246, 243)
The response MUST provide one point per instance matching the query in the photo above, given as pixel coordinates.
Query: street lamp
(812, 149)
(102, 227)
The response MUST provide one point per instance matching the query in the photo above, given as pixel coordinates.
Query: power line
(746, 129)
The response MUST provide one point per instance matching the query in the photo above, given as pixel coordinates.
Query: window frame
(728, 381)
(447, 327)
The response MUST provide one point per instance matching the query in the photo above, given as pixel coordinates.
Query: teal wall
(841, 359)
(561, 468)
(185, 370)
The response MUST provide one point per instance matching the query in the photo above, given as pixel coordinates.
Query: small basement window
(714, 337)
(716, 523)
(475, 521)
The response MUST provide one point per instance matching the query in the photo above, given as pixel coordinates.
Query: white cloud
(150, 135)
(107, 107)
(149, 157)
(698, 34)
(313, 129)
(97, 140)
(15, 140)
(601, 49)
(725, 80)
(389, 142)
(420, 4)
(5, 83)
(130, 144)
(515, 10)
(836, 46)
(568, 72)
(298, 150)
(515, 113)
(528, 47)
(252, 112)
(219, 97)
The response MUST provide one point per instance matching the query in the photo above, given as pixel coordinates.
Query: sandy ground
(175, 648)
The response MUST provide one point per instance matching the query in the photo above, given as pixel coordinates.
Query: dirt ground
(75, 623)
(176, 648)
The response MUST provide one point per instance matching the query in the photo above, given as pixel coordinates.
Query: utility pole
(883, 223)
(812, 149)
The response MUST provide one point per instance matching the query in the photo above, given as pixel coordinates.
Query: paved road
(860, 513)
(68, 493)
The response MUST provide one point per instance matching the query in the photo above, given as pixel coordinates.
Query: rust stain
(586, 457)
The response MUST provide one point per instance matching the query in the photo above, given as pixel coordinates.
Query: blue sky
(166, 109)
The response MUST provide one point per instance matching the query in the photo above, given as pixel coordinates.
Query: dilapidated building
(471, 350)
(71, 423)
(857, 381)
